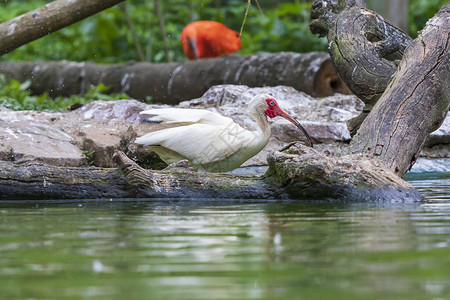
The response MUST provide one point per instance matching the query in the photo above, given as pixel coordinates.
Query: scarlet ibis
(209, 141)
(205, 39)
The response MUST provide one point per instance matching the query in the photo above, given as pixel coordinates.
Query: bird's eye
(271, 103)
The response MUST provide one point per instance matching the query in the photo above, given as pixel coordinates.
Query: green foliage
(285, 28)
(420, 11)
(89, 156)
(15, 95)
(107, 37)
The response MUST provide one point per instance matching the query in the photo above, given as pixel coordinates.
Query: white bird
(209, 141)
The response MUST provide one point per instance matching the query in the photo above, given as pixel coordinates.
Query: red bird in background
(205, 39)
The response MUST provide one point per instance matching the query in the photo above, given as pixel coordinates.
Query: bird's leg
(193, 44)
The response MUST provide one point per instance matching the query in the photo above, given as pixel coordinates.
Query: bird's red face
(273, 110)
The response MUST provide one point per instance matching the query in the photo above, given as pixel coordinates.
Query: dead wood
(363, 46)
(171, 83)
(411, 100)
(300, 173)
(414, 104)
(47, 19)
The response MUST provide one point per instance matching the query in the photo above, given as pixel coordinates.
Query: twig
(148, 51)
(245, 18)
(163, 30)
(246, 13)
(260, 10)
(133, 33)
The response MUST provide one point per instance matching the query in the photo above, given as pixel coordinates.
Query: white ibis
(209, 141)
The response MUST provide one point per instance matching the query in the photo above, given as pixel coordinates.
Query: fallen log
(302, 173)
(171, 83)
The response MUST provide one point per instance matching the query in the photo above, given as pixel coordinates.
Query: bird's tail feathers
(152, 138)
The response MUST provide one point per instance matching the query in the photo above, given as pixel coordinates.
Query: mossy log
(170, 83)
(300, 173)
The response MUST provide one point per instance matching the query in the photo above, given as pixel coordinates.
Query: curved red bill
(284, 114)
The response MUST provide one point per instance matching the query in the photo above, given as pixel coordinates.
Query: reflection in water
(227, 250)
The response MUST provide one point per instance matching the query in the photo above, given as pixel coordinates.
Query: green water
(224, 249)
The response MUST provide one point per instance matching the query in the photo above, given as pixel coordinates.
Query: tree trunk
(171, 83)
(366, 50)
(47, 19)
(415, 102)
(303, 173)
(363, 46)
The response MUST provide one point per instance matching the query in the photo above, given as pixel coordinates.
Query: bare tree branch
(47, 19)
(163, 30)
(134, 35)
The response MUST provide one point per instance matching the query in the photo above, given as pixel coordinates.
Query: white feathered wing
(204, 138)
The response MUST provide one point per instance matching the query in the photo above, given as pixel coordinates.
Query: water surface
(224, 249)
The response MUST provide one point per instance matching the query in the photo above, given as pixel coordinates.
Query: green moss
(89, 156)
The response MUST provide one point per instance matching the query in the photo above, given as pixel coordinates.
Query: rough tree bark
(47, 19)
(171, 83)
(415, 102)
(411, 101)
(301, 173)
(364, 48)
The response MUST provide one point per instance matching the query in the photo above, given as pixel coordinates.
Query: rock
(231, 100)
(438, 143)
(64, 139)
(100, 139)
(124, 110)
(91, 134)
(425, 165)
(36, 136)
